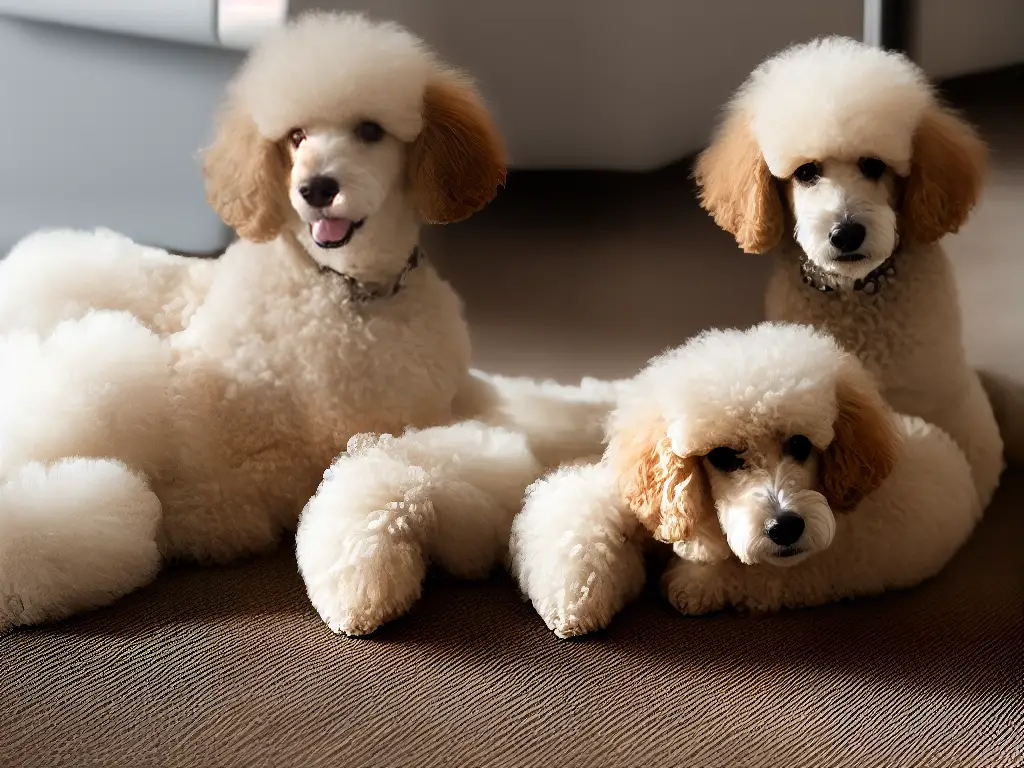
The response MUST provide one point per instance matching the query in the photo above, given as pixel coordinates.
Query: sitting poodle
(769, 461)
(156, 407)
(840, 158)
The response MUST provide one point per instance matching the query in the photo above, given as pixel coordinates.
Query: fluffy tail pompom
(73, 536)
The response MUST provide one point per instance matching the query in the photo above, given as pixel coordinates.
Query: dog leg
(73, 536)
(576, 551)
(392, 505)
(696, 588)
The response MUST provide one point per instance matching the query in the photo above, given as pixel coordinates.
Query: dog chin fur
(578, 547)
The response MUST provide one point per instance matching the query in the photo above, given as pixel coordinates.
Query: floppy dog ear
(737, 188)
(947, 170)
(458, 160)
(866, 445)
(667, 493)
(246, 177)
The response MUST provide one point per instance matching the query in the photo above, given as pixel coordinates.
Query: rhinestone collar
(871, 283)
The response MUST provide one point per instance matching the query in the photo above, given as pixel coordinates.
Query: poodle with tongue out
(157, 407)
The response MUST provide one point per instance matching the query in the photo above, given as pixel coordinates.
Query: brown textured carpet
(232, 667)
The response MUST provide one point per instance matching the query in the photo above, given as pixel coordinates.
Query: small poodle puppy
(156, 407)
(770, 463)
(840, 158)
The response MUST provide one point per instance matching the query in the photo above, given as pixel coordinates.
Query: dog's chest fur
(907, 334)
(297, 362)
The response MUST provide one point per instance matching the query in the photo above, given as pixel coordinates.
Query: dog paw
(357, 599)
(571, 625)
(597, 590)
(361, 554)
(694, 588)
(574, 621)
(354, 625)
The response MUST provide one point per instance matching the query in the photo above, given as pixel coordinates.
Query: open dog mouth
(850, 258)
(789, 552)
(333, 233)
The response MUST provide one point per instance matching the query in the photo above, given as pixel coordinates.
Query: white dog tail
(74, 535)
(561, 422)
(1007, 398)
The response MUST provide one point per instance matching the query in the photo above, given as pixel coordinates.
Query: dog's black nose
(786, 529)
(319, 191)
(848, 236)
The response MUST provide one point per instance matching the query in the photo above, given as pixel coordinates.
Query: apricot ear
(947, 172)
(866, 445)
(666, 492)
(458, 161)
(737, 188)
(246, 177)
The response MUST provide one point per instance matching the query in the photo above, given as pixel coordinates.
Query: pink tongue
(330, 230)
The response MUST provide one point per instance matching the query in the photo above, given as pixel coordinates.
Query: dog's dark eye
(296, 137)
(871, 167)
(799, 447)
(369, 132)
(725, 459)
(808, 173)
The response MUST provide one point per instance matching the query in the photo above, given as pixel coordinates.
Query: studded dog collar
(362, 293)
(871, 283)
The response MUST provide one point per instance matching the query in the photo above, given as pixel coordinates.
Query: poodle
(840, 158)
(156, 407)
(770, 463)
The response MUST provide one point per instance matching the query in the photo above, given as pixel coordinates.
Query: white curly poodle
(204, 397)
(840, 158)
(769, 461)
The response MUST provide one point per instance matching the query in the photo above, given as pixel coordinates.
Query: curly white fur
(207, 395)
(834, 97)
(577, 548)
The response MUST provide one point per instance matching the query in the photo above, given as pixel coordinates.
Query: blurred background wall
(107, 103)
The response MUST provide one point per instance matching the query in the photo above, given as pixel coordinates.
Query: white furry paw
(73, 536)
(361, 554)
(573, 552)
(581, 606)
(694, 588)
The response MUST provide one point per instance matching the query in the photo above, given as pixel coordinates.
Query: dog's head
(338, 119)
(746, 442)
(848, 146)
